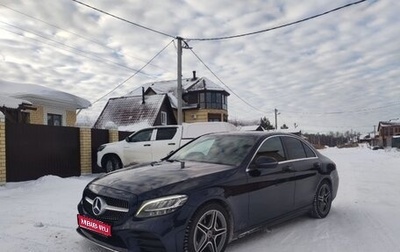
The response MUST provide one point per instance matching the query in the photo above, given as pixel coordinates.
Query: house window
(54, 119)
(212, 100)
(163, 118)
(214, 117)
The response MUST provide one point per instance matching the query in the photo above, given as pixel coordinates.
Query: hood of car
(114, 143)
(151, 177)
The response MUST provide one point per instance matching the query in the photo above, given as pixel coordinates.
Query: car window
(294, 148)
(309, 152)
(165, 133)
(141, 136)
(273, 148)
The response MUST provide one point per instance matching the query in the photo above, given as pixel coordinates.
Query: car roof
(254, 133)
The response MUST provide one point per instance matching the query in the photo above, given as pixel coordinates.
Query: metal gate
(33, 151)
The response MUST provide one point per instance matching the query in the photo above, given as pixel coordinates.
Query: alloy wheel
(211, 232)
(324, 199)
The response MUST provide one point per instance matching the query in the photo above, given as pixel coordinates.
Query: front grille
(108, 216)
(110, 201)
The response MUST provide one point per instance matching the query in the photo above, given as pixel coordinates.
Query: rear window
(308, 150)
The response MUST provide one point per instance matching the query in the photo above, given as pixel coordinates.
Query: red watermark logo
(94, 225)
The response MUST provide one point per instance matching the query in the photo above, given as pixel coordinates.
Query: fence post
(86, 150)
(113, 135)
(3, 167)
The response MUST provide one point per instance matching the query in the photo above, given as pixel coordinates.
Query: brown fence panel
(123, 134)
(33, 151)
(99, 137)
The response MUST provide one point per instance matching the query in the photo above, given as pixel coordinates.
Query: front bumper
(89, 235)
(161, 234)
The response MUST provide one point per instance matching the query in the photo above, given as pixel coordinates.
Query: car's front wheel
(111, 163)
(322, 201)
(208, 230)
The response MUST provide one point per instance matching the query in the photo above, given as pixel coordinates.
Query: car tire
(322, 201)
(208, 230)
(111, 163)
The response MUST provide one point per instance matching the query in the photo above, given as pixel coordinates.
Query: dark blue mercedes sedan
(209, 192)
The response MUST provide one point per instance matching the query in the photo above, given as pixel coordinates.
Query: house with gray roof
(388, 133)
(203, 101)
(133, 112)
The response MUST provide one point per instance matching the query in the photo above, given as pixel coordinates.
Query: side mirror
(127, 139)
(266, 162)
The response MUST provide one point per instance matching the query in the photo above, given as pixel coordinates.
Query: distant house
(252, 128)
(203, 101)
(387, 132)
(34, 104)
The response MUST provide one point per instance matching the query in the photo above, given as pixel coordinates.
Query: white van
(154, 143)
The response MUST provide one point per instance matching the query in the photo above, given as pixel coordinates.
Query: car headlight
(101, 147)
(161, 206)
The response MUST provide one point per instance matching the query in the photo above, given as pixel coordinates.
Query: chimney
(194, 75)
(143, 101)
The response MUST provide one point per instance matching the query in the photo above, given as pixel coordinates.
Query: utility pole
(276, 119)
(179, 79)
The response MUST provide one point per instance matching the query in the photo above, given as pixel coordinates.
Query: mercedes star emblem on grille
(99, 206)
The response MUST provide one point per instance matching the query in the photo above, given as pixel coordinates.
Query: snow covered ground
(40, 215)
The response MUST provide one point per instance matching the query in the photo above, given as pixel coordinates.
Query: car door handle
(171, 143)
(147, 145)
(288, 168)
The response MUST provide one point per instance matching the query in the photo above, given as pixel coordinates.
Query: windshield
(220, 149)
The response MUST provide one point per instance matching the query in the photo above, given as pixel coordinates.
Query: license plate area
(96, 226)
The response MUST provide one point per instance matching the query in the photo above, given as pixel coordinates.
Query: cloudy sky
(337, 72)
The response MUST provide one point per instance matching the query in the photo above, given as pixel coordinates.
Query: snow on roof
(128, 111)
(252, 128)
(390, 123)
(10, 102)
(35, 93)
(169, 87)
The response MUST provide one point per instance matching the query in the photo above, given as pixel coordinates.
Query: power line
(209, 69)
(74, 33)
(364, 110)
(37, 19)
(125, 20)
(130, 77)
(279, 26)
(225, 37)
(71, 47)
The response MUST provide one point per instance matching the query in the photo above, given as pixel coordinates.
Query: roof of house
(129, 110)
(169, 87)
(252, 128)
(13, 103)
(41, 95)
(391, 123)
